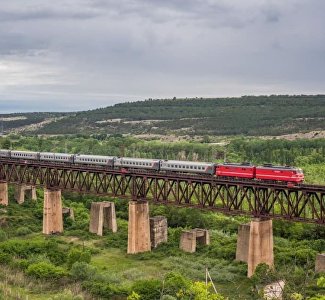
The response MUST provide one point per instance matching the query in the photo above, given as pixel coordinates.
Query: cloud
(87, 53)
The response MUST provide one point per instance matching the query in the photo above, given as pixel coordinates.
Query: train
(247, 171)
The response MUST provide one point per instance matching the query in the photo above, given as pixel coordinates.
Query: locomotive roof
(247, 164)
(277, 167)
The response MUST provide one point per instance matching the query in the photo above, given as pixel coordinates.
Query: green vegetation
(262, 115)
(247, 115)
(80, 265)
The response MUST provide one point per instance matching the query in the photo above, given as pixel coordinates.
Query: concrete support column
(138, 227)
(4, 193)
(20, 191)
(188, 241)
(158, 230)
(52, 212)
(243, 242)
(102, 215)
(255, 244)
(320, 263)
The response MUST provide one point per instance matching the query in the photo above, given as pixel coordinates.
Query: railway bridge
(262, 201)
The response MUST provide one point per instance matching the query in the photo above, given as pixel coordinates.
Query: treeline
(113, 145)
(277, 151)
(299, 152)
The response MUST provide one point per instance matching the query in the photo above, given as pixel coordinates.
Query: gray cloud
(88, 53)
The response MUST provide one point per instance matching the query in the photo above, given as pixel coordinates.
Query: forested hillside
(248, 115)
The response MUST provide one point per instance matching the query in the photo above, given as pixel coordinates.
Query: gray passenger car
(94, 160)
(25, 155)
(137, 163)
(4, 153)
(187, 166)
(57, 157)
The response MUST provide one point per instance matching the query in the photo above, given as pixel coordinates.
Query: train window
(191, 167)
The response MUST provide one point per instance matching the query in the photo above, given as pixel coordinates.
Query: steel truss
(303, 203)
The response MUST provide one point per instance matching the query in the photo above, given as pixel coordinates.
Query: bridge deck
(303, 202)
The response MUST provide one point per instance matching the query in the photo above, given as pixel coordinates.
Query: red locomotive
(279, 173)
(244, 170)
(266, 172)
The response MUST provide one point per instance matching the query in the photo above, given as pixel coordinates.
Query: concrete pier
(21, 190)
(4, 193)
(102, 215)
(255, 244)
(138, 227)
(189, 239)
(243, 242)
(52, 212)
(68, 211)
(320, 263)
(158, 230)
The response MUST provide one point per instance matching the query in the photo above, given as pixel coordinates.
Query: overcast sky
(79, 54)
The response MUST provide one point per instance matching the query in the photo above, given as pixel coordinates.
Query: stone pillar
(257, 246)
(20, 192)
(189, 238)
(188, 241)
(320, 263)
(33, 193)
(69, 212)
(138, 227)
(158, 230)
(202, 236)
(102, 215)
(243, 242)
(4, 193)
(52, 212)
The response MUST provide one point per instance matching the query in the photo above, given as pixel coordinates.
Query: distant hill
(27, 122)
(247, 115)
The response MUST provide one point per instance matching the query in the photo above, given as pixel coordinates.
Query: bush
(5, 258)
(3, 236)
(23, 231)
(56, 254)
(82, 271)
(174, 282)
(23, 248)
(45, 270)
(147, 289)
(66, 295)
(78, 255)
(104, 290)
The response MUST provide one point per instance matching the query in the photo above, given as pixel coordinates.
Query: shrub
(3, 236)
(78, 255)
(56, 254)
(23, 248)
(23, 231)
(174, 282)
(45, 270)
(134, 296)
(82, 271)
(147, 289)
(5, 258)
(104, 290)
(66, 295)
